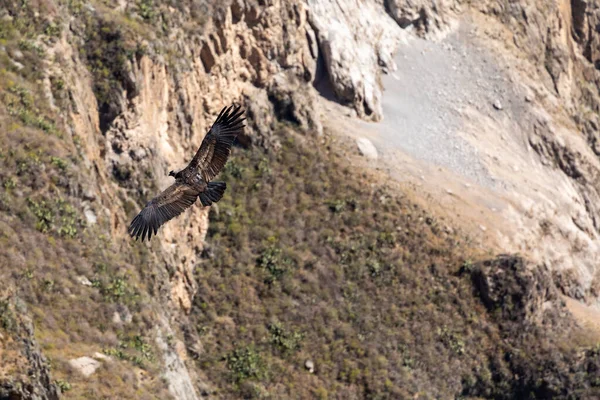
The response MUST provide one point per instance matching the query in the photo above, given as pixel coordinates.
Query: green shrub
(134, 349)
(147, 10)
(274, 263)
(284, 341)
(59, 162)
(116, 289)
(245, 363)
(64, 386)
(43, 213)
(7, 318)
(9, 183)
(52, 29)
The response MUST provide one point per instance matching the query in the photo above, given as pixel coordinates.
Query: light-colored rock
(17, 65)
(366, 148)
(122, 316)
(102, 357)
(116, 319)
(90, 216)
(356, 38)
(84, 280)
(310, 366)
(176, 373)
(17, 54)
(85, 365)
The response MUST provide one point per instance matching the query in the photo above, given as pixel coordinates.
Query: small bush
(134, 349)
(53, 29)
(116, 289)
(59, 162)
(7, 318)
(147, 10)
(43, 213)
(284, 341)
(245, 363)
(274, 263)
(64, 386)
(9, 183)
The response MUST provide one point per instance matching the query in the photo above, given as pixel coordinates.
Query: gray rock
(86, 365)
(366, 148)
(102, 357)
(352, 57)
(123, 315)
(310, 366)
(17, 65)
(84, 280)
(498, 106)
(17, 54)
(529, 97)
(90, 215)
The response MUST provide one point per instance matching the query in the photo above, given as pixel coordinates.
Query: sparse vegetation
(272, 261)
(115, 289)
(19, 102)
(382, 311)
(245, 363)
(134, 349)
(284, 340)
(64, 386)
(6, 316)
(46, 245)
(59, 162)
(308, 258)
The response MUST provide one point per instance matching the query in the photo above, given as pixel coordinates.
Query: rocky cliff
(102, 98)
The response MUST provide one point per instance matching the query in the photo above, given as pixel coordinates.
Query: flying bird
(195, 180)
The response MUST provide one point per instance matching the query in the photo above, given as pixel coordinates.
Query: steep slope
(100, 99)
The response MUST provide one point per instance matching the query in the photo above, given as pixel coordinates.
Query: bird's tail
(213, 193)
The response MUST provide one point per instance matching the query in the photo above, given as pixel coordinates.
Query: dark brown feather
(216, 146)
(164, 207)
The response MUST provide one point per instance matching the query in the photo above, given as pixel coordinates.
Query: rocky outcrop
(24, 373)
(425, 16)
(85, 365)
(523, 299)
(560, 43)
(515, 291)
(144, 113)
(355, 40)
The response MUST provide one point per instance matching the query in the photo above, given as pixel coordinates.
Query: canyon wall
(142, 86)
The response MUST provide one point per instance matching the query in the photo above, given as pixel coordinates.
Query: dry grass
(306, 259)
(362, 281)
(46, 248)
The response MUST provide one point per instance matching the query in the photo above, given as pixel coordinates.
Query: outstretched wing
(216, 146)
(167, 205)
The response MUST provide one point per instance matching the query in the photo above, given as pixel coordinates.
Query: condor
(195, 180)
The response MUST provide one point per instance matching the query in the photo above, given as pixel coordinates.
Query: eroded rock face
(27, 374)
(522, 298)
(560, 41)
(426, 16)
(519, 291)
(266, 55)
(356, 39)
